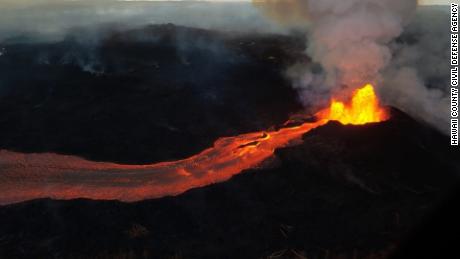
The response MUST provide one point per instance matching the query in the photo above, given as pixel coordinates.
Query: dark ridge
(346, 192)
(159, 93)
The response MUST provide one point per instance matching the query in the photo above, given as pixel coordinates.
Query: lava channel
(30, 176)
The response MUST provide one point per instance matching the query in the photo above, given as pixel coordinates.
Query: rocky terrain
(158, 93)
(346, 192)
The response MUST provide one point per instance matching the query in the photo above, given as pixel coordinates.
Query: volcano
(345, 191)
(135, 156)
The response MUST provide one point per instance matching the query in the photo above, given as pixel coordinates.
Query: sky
(28, 2)
(431, 2)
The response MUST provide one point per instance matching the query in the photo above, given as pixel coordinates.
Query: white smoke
(417, 78)
(401, 50)
(51, 20)
(349, 39)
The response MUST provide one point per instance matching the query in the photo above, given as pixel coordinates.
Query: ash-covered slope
(162, 92)
(347, 190)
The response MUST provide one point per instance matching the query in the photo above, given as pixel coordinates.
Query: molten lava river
(30, 176)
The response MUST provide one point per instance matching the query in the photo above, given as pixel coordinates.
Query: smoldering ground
(160, 92)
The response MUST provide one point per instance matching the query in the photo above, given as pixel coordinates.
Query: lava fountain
(30, 176)
(364, 108)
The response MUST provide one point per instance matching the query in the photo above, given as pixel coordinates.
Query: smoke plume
(353, 42)
(417, 78)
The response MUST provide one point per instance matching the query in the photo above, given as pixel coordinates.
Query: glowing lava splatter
(30, 176)
(364, 108)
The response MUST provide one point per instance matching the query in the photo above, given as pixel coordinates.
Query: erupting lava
(29, 176)
(364, 108)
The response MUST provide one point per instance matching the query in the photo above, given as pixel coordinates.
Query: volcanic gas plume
(29, 176)
(348, 39)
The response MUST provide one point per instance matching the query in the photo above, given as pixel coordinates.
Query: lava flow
(30, 176)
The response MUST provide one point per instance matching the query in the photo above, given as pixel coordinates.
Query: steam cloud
(353, 42)
(403, 51)
(51, 20)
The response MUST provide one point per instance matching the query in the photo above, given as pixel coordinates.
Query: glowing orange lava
(30, 176)
(364, 108)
